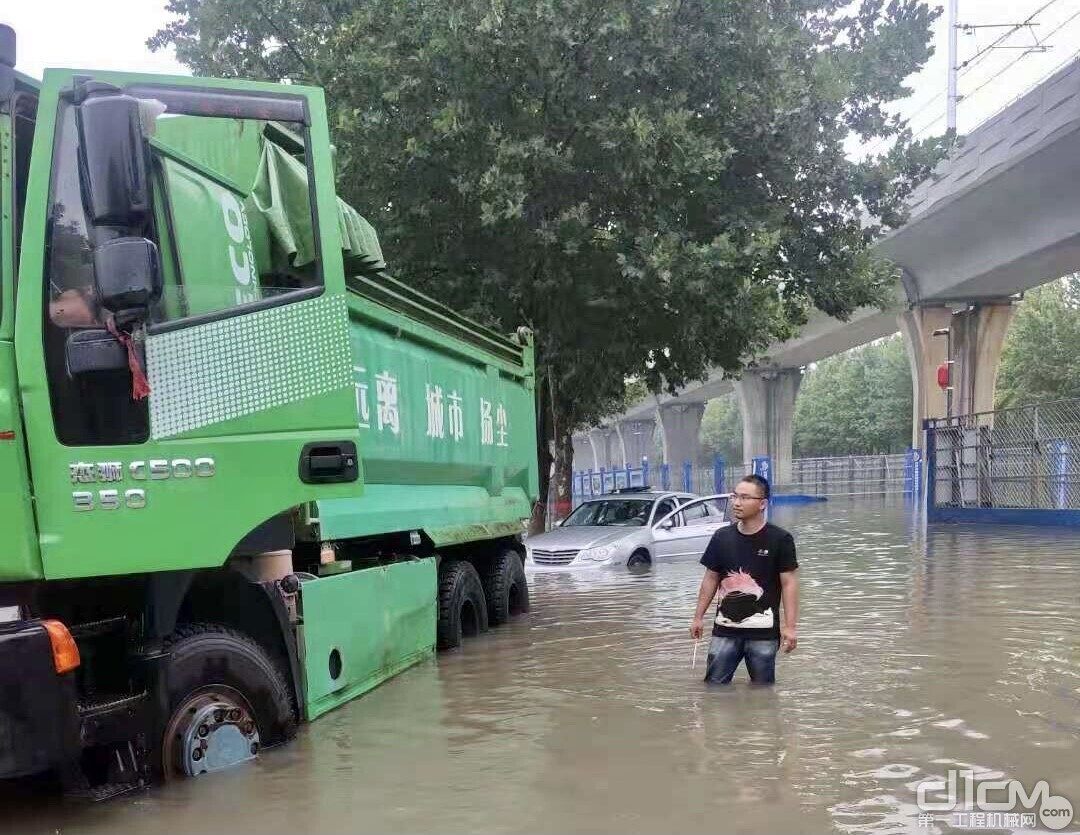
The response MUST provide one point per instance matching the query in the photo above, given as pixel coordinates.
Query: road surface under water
(920, 650)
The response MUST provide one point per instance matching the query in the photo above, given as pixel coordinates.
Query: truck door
(182, 333)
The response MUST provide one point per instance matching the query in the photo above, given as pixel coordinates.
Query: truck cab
(247, 475)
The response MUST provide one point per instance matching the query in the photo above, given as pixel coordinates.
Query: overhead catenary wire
(972, 62)
(967, 65)
(1023, 55)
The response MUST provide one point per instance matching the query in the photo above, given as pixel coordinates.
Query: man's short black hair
(761, 482)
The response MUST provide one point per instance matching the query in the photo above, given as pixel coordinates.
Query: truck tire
(462, 610)
(505, 587)
(227, 695)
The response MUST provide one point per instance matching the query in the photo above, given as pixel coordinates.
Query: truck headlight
(598, 554)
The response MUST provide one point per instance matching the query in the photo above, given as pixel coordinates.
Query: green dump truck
(245, 475)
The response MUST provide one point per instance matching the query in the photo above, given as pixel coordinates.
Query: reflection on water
(918, 651)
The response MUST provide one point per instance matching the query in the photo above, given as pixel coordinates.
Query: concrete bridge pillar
(584, 452)
(972, 338)
(978, 335)
(767, 403)
(599, 444)
(680, 430)
(608, 448)
(637, 438)
(616, 452)
(925, 353)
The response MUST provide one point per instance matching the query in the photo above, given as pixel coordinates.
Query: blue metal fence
(849, 475)
(589, 483)
(1013, 465)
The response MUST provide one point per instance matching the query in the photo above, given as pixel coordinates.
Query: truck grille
(553, 557)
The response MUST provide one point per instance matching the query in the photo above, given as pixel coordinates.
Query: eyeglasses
(743, 497)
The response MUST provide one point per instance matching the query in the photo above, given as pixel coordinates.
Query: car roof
(644, 494)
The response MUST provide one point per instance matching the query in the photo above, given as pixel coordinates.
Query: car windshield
(634, 512)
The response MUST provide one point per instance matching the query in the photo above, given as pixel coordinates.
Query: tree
(1041, 356)
(856, 403)
(279, 40)
(655, 187)
(721, 429)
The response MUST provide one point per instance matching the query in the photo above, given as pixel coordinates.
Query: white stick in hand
(694, 662)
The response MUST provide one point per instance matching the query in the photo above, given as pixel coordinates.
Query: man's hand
(789, 639)
(697, 627)
(709, 583)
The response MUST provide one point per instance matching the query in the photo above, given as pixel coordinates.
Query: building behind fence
(1013, 465)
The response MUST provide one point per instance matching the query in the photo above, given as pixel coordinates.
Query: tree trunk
(564, 473)
(538, 522)
(552, 447)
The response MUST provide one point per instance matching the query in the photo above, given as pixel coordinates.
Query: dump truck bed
(446, 412)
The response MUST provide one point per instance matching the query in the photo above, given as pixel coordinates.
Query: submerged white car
(631, 529)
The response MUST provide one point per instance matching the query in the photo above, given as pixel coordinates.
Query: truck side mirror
(94, 350)
(126, 274)
(7, 62)
(112, 157)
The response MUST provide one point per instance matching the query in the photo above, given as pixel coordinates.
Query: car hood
(580, 537)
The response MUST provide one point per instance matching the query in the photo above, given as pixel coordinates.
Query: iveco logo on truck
(241, 255)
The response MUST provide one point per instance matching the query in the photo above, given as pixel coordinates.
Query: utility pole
(950, 107)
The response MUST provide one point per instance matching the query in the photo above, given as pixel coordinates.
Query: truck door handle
(328, 462)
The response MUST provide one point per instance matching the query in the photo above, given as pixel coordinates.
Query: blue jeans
(725, 654)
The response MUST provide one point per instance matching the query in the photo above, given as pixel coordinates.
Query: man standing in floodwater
(753, 565)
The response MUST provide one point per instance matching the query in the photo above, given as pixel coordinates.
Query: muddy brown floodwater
(920, 650)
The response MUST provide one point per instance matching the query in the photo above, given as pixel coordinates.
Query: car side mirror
(667, 524)
(127, 275)
(112, 157)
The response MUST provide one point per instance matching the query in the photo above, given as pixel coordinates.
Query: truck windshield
(626, 512)
(233, 218)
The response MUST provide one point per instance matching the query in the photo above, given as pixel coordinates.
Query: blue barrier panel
(688, 476)
(762, 466)
(718, 474)
(1061, 455)
(912, 472)
(931, 472)
(665, 476)
(644, 471)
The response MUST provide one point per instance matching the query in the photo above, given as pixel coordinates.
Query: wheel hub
(209, 732)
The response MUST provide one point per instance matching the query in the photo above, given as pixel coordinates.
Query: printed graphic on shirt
(740, 603)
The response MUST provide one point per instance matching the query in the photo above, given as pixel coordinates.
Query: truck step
(91, 629)
(111, 704)
(105, 791)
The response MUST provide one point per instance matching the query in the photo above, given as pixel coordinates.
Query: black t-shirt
(749, 569)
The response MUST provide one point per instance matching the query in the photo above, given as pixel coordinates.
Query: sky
(111, 34)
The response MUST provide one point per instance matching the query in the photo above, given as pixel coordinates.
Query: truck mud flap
(364, 627)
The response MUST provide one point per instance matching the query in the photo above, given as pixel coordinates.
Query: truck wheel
(227, 699)
(462, 609)
(505, 587)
